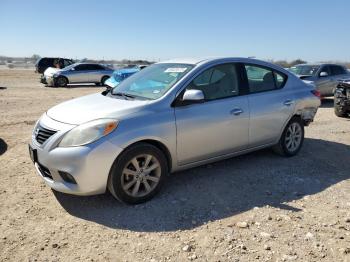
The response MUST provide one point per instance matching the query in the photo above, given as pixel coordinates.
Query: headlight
(88, 132)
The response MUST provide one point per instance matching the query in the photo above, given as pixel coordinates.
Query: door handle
(236, 111)
(288, 102)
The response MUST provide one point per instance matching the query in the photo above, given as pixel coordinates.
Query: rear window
(262, 79)
(338, 70)
(46, 62)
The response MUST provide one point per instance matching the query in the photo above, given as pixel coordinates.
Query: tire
(132, 184)
(292, 138)
(61, 81)
(339, 112)
(103, 80)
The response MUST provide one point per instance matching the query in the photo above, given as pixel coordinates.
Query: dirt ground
(256, 207)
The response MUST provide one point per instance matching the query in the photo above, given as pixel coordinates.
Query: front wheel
(61, 81)
(138, 174)
(292, 138)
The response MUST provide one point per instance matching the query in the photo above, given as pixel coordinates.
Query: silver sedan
(325, 77)
(168, 117)
(80, 73)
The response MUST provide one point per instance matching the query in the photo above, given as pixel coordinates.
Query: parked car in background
(120, 75)
(170, 116)
(80, 73)
(48, 73)
(43, 63)
(342, 99)
(325, 77)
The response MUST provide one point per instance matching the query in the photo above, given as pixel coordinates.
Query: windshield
(69, 67)
(153, 81)
(307, 70)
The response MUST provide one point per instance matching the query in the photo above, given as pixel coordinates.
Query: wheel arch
(295, 115)
(63, 76)
(105, 76)
(156, 143)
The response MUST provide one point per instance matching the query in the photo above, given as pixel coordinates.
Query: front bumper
(89, 165)
(43, 80)
(50, 81)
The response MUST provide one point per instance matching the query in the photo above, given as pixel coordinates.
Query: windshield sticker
(175, 70)
(156, 91)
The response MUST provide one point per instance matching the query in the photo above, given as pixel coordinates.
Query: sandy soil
(256, 207)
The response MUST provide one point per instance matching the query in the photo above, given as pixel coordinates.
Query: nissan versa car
(324, 76)
(168, 117)
(80, 73)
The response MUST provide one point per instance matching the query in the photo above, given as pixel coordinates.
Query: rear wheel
(138, 174)
(292, 138)
(61, 81)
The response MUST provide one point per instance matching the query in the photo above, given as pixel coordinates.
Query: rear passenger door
(96, 73)
(337, 73)
(324, 83)
(270, 105)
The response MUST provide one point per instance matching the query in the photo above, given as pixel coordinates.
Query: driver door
(217, 126)
(80, 74)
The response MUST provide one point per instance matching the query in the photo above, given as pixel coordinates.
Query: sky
(313, 30)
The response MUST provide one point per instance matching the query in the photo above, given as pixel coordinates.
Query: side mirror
(323, 74)
(193, 95)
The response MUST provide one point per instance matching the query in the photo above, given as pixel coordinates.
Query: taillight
(316, 93)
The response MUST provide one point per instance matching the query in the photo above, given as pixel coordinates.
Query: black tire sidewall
(59, 78)
(286, 152)
(104, 79)
(338, 111)
(122, 160)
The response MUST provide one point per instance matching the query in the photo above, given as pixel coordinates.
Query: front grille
(42, 134)
(45, 171)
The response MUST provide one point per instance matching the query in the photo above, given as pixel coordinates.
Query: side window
(66, 62)
(82, 67)
(325, 69)
(262, 79)
(96, 67)
(337, 70)
(280, 79)
(217, 82)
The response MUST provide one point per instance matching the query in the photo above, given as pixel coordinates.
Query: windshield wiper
(125, 95)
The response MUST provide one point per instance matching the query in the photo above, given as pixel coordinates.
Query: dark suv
(342, 99)
(43, 63)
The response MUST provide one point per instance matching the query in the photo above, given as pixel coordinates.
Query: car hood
(50, 71)
(91, 107)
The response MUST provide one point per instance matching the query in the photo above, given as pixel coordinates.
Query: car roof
(317, 64)
(126, 70)
(206, 60)
(200, 60)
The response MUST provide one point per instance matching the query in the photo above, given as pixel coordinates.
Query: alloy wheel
(141, 175)
(293, 137)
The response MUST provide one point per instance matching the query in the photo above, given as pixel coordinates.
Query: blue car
(120, 75)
